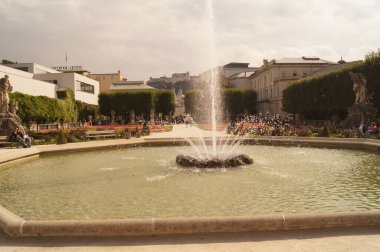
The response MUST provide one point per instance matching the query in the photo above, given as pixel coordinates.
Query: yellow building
(270, 80)
(106, 80)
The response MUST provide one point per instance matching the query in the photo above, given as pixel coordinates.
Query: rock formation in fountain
(236, 160)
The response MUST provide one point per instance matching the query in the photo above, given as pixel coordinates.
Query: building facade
(177, 80)
(106, 80)
(270, 80)
(34, 79)
(237, 74)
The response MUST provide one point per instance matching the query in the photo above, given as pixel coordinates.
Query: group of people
(372, 129)
(260, 124)
(21, 138)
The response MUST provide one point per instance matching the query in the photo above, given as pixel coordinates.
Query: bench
(101, 133)
(5, 143)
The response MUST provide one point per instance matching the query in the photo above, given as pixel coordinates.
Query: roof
(303, 60)
(130, 85)
(236, 65)
(242, 75)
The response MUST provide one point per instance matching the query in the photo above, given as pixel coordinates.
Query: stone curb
(16, 227)
(10, 223)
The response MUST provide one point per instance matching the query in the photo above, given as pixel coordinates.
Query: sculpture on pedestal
(5, 88)
(8, 109)
(359, 87)
(362, 110)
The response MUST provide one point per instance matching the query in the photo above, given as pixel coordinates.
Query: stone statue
(5, 88)
(359, 87)
(8, 118)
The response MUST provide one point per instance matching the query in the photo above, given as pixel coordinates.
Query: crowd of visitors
(261, 124)
(372, 129)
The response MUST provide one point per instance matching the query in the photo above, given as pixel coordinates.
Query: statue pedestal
(360, 112)
(8, 122)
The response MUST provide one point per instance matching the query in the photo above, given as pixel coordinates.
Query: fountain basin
(43, 224)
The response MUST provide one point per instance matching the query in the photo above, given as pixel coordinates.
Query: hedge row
(42, 109)
(232, 100)
(141, 102)
(331, 94)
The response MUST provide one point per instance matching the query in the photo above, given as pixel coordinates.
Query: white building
(34, 79)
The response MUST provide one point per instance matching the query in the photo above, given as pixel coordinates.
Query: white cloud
(154, 38)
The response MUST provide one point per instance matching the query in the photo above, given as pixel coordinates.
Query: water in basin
(146, 182)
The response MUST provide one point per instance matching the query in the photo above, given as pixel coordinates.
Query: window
(111, 77)
(84, 87)
(104, 77)
(25, 69)
(295, 74)
(52, 81)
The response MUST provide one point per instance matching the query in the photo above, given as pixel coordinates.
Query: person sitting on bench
(18, 136)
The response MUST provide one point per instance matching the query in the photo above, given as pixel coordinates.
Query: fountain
(135, 188)
(220, 155)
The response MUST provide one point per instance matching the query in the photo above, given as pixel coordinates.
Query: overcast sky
(144, 38)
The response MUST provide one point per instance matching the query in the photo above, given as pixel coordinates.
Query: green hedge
(84, 110)
(42, 109)
(235, 101)
(141, 102)
(39, 109)
(331, 94)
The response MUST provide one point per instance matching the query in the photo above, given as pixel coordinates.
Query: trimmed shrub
(85, 110)
(324, 132)
(235, 101)
(141, 102)
(39, 109)
(42, 109)
(61, 138)
(165, 102)
(331, 94)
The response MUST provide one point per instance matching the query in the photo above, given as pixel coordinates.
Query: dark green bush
(324, 132)
(235, 101)
(85, 110)
(39, 109)
(61, 138)
(331, 94)
(141, 102)
(42, 109)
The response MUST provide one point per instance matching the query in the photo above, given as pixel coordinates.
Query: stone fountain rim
(15, 226)
(362, 144)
